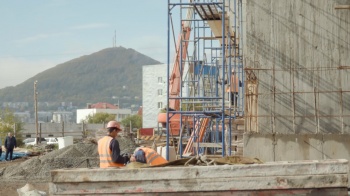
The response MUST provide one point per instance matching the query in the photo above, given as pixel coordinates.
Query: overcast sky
(37, 35)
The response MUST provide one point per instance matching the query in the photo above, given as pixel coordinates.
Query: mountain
(112, 72)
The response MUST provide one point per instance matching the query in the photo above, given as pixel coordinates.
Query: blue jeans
(9, 151)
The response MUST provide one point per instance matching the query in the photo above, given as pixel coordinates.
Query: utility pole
(14, 129)
(36, 111)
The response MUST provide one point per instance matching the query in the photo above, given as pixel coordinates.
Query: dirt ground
(9, 188)
(35, 169)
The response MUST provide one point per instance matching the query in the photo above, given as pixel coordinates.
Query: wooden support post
(14, 129)
(40, 133)
(62, 128)
(83, 130)
(338, 7)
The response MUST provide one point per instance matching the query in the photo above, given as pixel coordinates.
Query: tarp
(15, 155)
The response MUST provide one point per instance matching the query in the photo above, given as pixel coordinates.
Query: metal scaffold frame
(207, 51)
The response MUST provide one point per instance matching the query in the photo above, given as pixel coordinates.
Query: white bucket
(172, 153)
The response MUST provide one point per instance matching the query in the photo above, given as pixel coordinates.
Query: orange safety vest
(106, 153)
(234, 84)
(152, 157)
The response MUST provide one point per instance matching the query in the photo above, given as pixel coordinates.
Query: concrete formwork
(292, 147)
(298, 52)
(304, 177)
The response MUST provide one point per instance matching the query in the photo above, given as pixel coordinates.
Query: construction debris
(203, 160)
(29, 190)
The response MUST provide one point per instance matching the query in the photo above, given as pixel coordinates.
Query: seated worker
(147, 155)
(108, 148)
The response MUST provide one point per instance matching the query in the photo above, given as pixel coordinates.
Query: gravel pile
(82, 155)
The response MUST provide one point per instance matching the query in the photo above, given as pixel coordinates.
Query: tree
(8, 122)
(99, 118)
(136, 121)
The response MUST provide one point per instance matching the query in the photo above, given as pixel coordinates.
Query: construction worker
(108, 148)
(147, 155)
(233, 88)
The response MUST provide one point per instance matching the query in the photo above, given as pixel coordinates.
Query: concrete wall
(292, 147)
(150, 97)
(289, 147)
(299, 52)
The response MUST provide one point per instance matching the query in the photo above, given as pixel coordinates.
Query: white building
(62, 116)
(154, 92)
(103, 108)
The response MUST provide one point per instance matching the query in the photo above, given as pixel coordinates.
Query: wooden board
(280, 177)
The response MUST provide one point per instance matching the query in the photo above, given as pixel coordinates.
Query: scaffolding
(206, 111)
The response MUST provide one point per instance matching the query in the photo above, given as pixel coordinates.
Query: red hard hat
(113, 123)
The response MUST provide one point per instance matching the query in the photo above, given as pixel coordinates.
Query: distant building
(62, 116)
(15, 105)
(23, 116)
(44, 116)
(92, 109)
(101, 105)
(154, 86)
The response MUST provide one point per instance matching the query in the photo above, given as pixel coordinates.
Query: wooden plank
(305, 191)
(238, 121)
(201, 184)
(342, 7)
(282, 168)
(202, 128)
(281, 176)
(210, 145)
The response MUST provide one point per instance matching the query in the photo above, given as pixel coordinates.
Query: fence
(78, 131)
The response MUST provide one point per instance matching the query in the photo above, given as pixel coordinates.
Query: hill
(112, 72)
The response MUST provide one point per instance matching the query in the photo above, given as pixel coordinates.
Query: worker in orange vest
(108, 148)
(233, 88)
(147, 155)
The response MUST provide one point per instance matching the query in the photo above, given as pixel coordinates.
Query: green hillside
(88, 79)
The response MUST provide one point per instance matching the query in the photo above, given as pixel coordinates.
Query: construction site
(258, 103)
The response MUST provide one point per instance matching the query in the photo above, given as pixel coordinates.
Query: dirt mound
(82, 155)
(38, 168)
